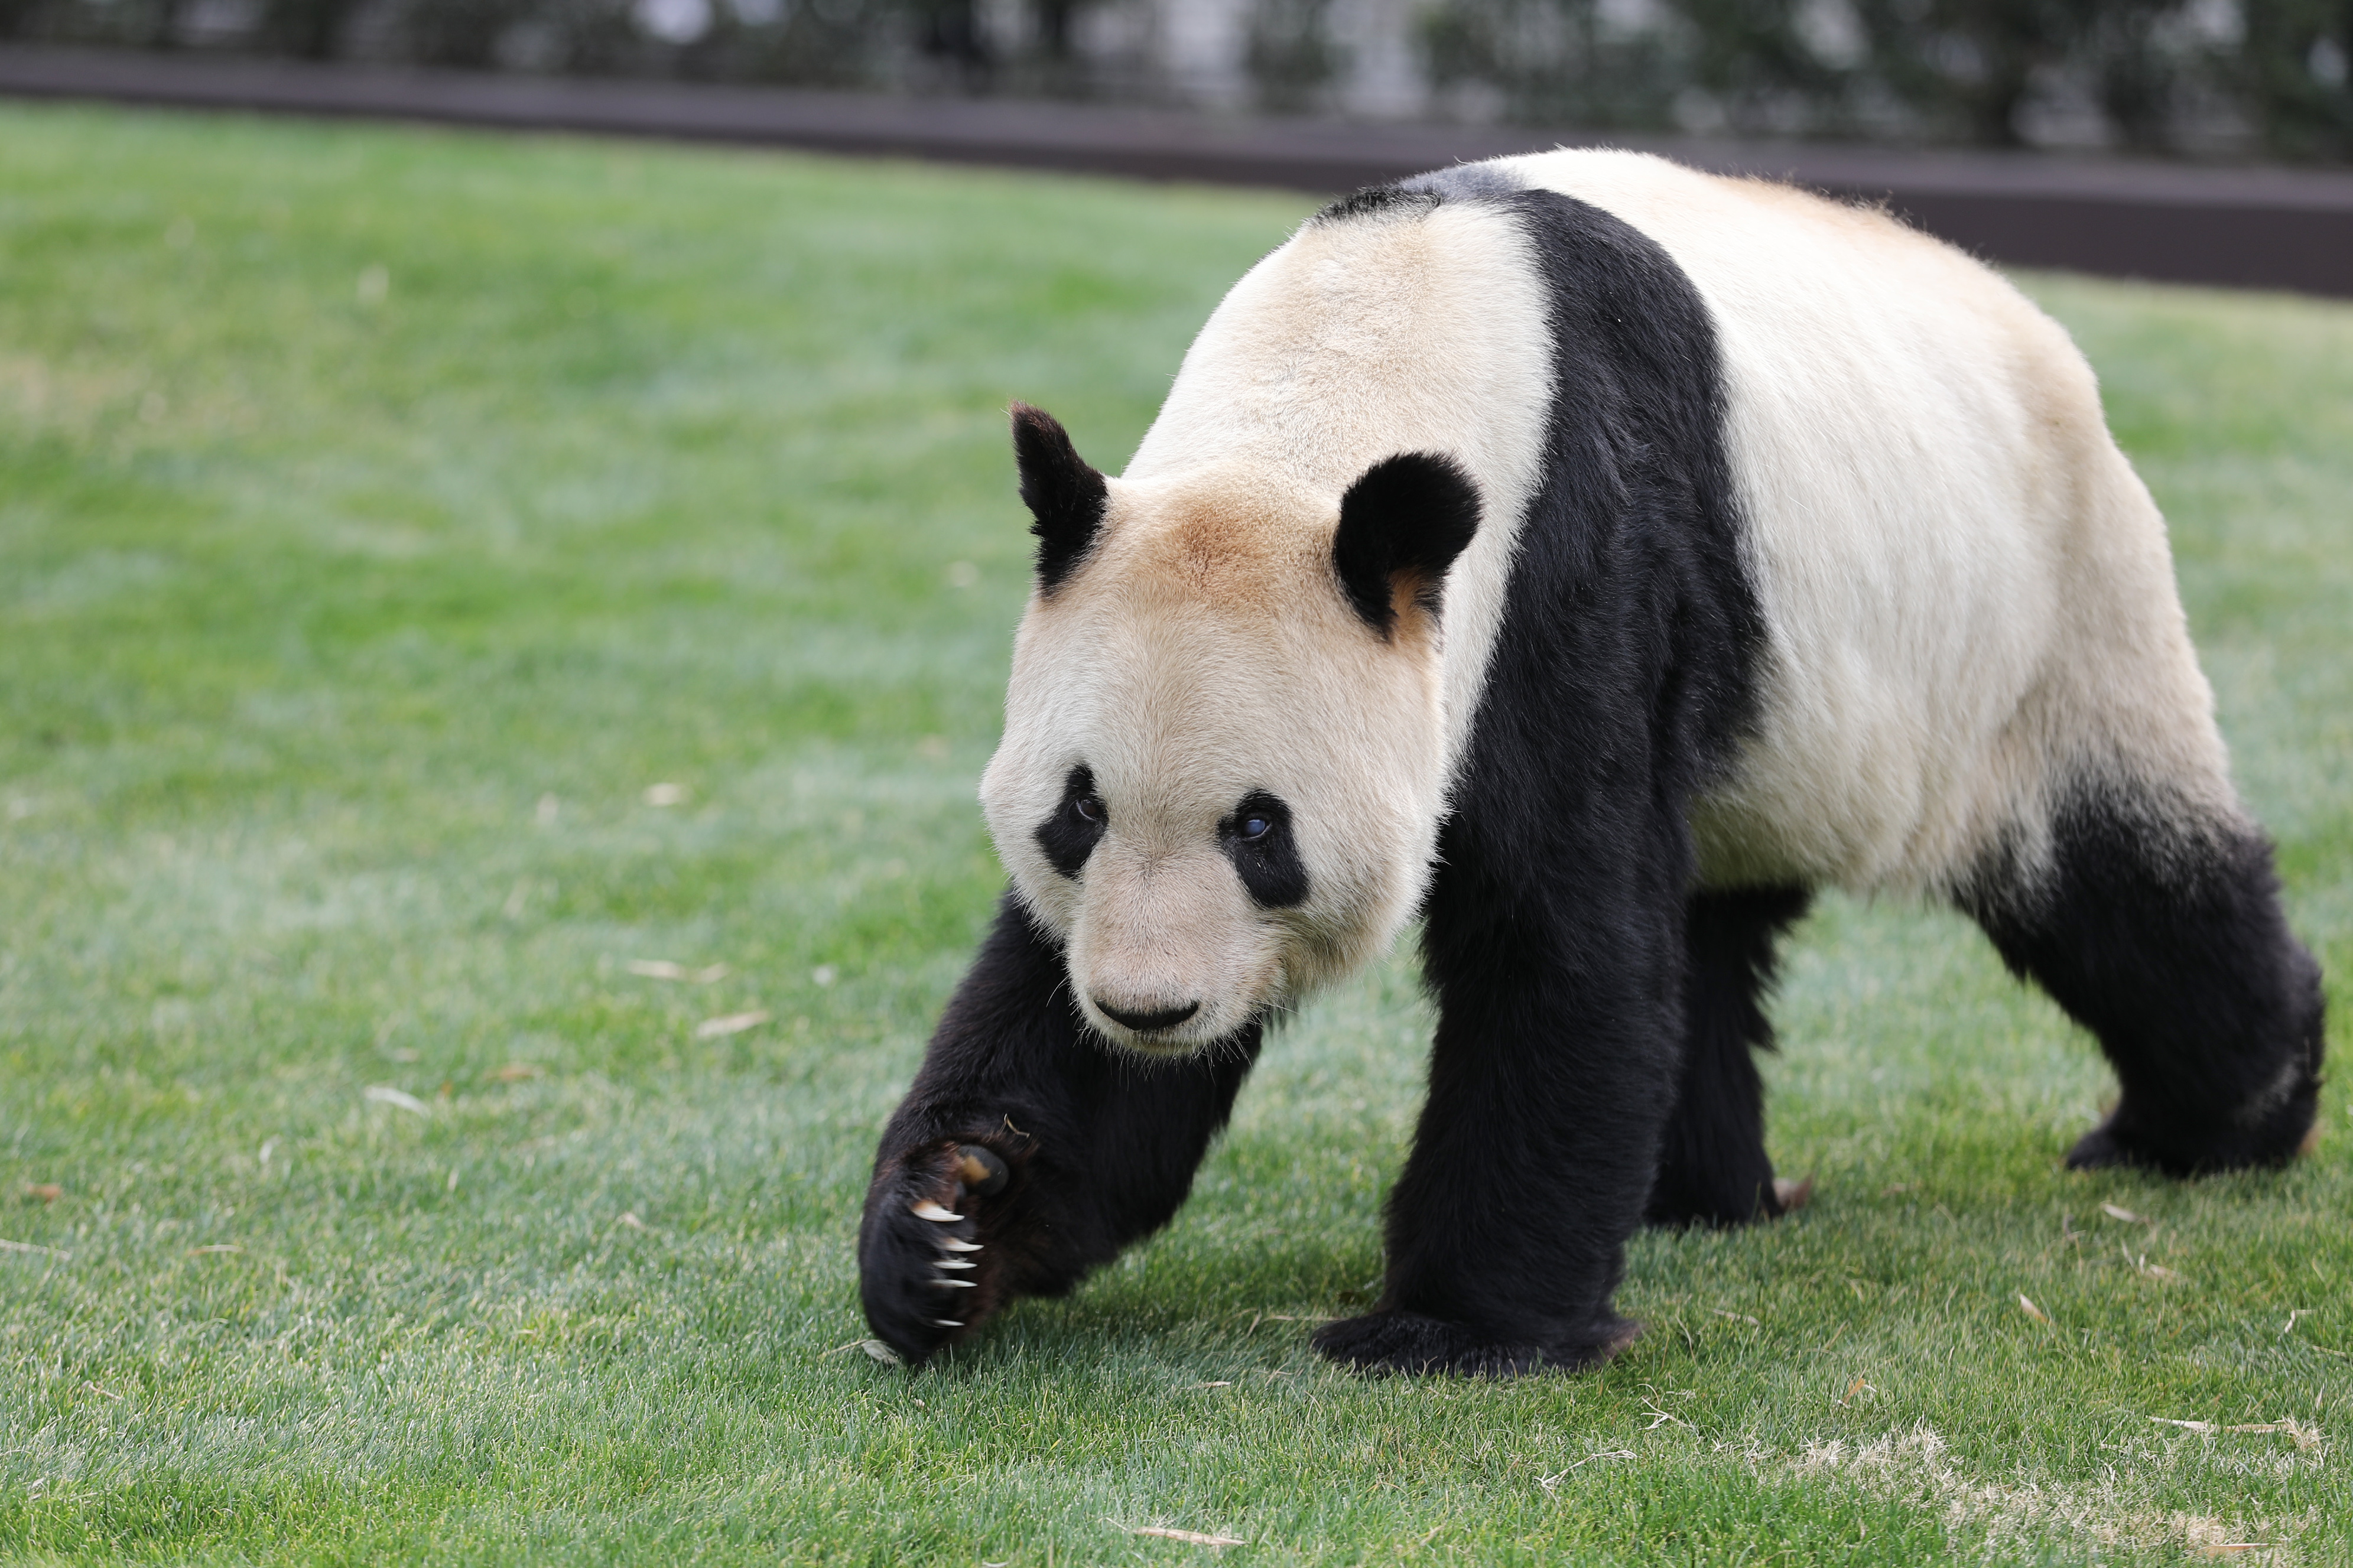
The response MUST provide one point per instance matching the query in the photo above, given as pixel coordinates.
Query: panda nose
(1146, 1023)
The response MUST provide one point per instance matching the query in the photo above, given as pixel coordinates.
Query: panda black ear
(1063, 494)
(1402, 523)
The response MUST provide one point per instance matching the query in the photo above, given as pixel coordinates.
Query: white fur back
(1969, 594)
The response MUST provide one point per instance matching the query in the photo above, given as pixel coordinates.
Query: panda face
(1220, 778)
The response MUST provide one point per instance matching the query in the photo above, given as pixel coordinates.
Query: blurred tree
(308, 29)
(1968, 65)
(459, 32)
(2292, 71)
(2137, 67)
(1561, 61)
(2157, 75)
(1290, 56)
(1756, 59)
(949, 32)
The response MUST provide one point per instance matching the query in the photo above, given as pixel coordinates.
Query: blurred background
(2197, 79)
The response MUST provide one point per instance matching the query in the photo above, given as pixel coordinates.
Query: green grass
(342, 630)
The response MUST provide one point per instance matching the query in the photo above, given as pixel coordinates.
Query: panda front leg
(1551, 1077)
(1026, 1152)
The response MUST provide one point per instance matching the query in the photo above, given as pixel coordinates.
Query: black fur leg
(1097, 1149)
(1712, 1169)
(1554, 927)
(2168, 942)
(1548, 1084)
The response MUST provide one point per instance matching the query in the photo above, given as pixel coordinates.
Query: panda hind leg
(2162, 933)
(1713, 1168)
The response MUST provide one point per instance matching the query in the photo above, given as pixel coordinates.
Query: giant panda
(1592, 557)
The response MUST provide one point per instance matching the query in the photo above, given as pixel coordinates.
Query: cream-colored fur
(1969, 595)
(1970, 591)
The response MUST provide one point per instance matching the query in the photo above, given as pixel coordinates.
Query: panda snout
(1146, 1023)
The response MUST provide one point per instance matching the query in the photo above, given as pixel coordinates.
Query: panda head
(1224, 757)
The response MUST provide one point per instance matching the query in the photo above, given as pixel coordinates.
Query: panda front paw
(1396, 1341)
(926, 1274)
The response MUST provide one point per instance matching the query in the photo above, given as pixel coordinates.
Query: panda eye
(1089, 807)
(1258, 838)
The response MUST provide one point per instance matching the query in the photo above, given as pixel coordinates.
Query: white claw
(952, 1244)
(957, 1263)
(930, 1210)
(956, 1284)
(945, 1323)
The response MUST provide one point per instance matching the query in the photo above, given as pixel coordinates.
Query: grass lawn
(384, 514)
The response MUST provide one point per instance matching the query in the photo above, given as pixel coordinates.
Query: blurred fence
(2194, 76)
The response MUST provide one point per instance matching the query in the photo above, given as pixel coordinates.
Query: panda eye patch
(1257, 839)
(1071, 834)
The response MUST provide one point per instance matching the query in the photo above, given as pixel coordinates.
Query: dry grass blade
(2125, 1215)
(731, 1023)
(33, 1246)
(44, 1192)
(2030, 1309)
(2157, 1271)
(400, 1099)
(1190, 1537)
(2306, 1438)
(664, 969)
(215, 1247)
(1735, 1317)
(880, 1351)
(656, 968)
(514, 1072)
(1549, 1482)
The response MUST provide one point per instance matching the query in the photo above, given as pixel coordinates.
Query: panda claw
(956, 1284)
(932, 1211)
(952, 1244)
(945, 1323)
(956, 1263)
